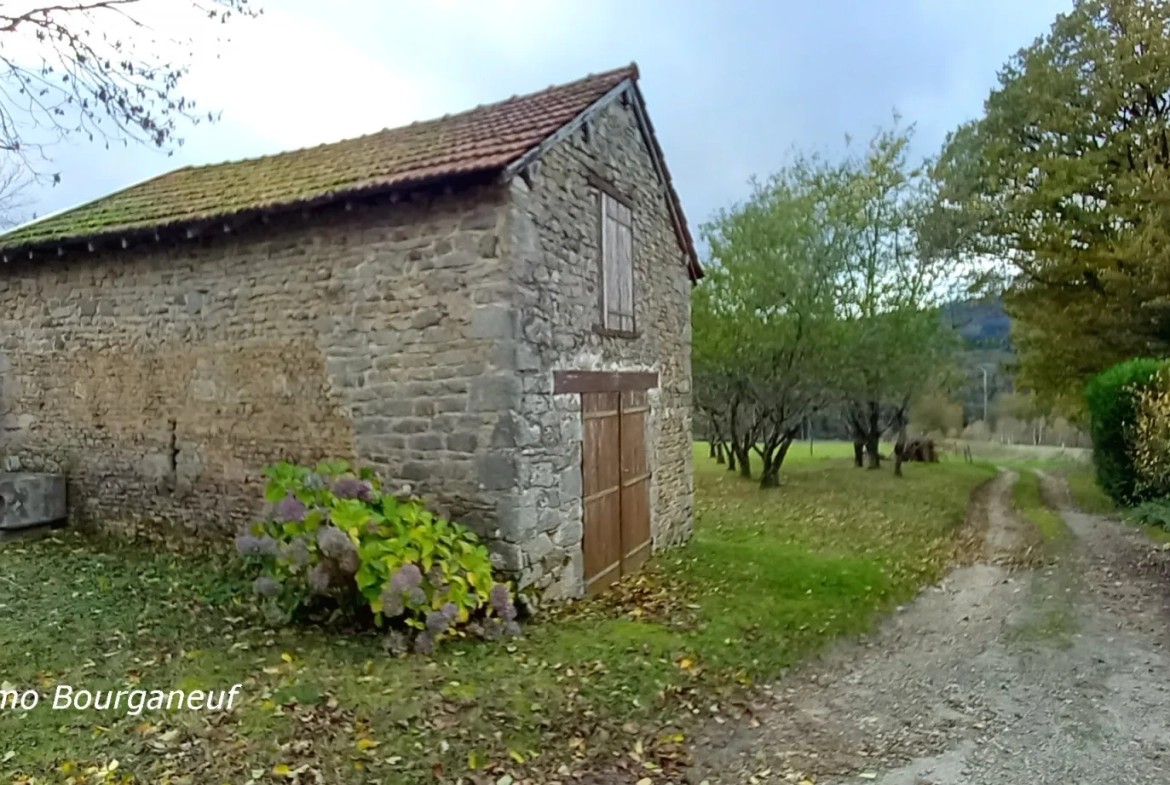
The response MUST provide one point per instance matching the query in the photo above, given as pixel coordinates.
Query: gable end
(627, 91)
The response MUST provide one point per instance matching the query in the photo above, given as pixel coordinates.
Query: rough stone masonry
(418, 336)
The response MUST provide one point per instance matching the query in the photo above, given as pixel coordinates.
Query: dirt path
(1052, 675)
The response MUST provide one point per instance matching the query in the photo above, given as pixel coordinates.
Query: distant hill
(987, 336)
(982, 323)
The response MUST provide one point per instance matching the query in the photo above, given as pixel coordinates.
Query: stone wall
(553, 246)
(163, 378)
(419, 336)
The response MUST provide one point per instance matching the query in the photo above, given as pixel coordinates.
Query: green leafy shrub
(1155, 512)
(1111, 397)
(335, 541)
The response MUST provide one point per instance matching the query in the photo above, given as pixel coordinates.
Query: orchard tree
(95, 69)
(893, 341)
(720, 362)
(937, 412)
(767, 326)
(1065, 181)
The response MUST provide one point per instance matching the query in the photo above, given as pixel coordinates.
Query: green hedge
(1109, 397)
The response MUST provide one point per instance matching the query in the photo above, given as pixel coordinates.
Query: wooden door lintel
(603, 381)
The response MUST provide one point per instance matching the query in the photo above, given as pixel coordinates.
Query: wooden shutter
(602, 489)
(616, 486)
(617, 237)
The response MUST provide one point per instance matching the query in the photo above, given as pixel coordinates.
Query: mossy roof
(480, 140)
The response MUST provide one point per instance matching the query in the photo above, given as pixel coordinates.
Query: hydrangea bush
(335, 539)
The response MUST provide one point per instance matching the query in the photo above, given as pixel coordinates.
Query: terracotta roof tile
(480, 140)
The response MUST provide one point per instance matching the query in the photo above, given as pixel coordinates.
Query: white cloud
(290, 81)
(732, 86)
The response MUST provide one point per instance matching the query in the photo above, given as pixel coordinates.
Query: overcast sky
(731, 85)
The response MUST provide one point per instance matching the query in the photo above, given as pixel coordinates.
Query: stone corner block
(495, 393)
(497, 471)
(493, 321)
(516, 518)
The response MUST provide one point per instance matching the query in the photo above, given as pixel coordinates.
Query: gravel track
(1056, 674)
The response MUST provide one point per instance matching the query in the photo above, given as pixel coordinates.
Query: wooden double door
(616, 485)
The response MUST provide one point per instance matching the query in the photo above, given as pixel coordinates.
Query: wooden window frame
(604, 189)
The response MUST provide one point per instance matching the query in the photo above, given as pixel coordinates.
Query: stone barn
(492, 307)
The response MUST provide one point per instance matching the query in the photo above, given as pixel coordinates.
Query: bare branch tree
(94, 69)
(13, 199)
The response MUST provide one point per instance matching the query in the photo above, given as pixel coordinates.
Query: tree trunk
(773, 460)
(719, 458)
(858, 440)
(874, 436)
(730, 458)
(900, 446)
(871, 449)
(711, 449)
(769, 472)
(745, 463)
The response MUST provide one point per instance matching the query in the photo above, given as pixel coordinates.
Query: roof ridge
(472, 143)
(413, 124)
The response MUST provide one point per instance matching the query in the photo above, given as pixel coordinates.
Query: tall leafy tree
(722, 362)
(766, 324)
(893, 343)
(95, 69)
(1065, 182)
(937, 412)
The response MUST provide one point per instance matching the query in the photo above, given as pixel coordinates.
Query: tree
(13, 181)
(935, 412)
(765, 325)
(721, 361)
(94, 69)
(894, 343)
(1065, 182)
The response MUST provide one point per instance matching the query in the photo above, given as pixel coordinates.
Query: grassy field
(1027, 500)
(800, 455)
(1027, 454)
(769, 577)
(1022, 457)
(1087, 495)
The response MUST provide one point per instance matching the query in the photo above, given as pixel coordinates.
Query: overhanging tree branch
(93, 69)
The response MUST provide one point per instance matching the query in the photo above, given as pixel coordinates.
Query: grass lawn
(1027, 500)
(768, 578)
(1087, 495)
(800, 455)
(1025, 455)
